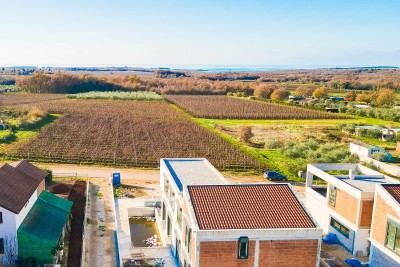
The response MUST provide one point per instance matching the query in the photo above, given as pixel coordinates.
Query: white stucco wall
(9, 225)
(22, 214)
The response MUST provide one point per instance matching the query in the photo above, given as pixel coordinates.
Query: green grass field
(24, 134)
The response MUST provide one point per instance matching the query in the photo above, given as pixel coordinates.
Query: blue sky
(297, 32)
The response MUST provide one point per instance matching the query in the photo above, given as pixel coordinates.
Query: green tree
(320, 93)
(385, 97)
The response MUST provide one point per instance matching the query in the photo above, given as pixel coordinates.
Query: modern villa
(209, 222)
(343, 202)
(385, 230)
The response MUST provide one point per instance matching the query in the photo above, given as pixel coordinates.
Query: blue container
(116, 175)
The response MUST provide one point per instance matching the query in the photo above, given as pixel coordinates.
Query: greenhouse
(40, 235)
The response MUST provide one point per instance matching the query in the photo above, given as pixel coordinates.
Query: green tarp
(39, 233)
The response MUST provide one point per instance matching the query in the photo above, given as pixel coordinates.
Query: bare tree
(10, 249)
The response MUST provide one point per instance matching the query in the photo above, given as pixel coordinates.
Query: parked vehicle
(274, 176)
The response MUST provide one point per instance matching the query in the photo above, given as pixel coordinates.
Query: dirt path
(100, 249)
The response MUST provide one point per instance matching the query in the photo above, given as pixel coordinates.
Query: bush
(245, 133)
(280, 94)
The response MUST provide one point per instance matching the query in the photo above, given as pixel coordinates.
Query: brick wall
(366, 213)
(40, 187)
(346, 205)
(286, 253)
(380, 219)
(224, 254)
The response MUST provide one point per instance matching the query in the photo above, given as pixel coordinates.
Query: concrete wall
(378, 258)
(388, 168)
(346, 242)
(316, 204)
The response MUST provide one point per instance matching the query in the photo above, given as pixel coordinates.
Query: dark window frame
(1, 217)
(345, 231)
(395, 247)
(243, 248)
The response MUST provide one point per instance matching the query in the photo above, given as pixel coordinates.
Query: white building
(364, 150)
(20, 185)
(209, 222)
(344, 205)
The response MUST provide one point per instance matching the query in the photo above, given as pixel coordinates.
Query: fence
(75, 175)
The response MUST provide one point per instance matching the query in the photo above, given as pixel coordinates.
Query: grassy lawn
(322, 122)
(24, 134)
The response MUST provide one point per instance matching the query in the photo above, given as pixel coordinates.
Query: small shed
(42, 231)
(387, 135)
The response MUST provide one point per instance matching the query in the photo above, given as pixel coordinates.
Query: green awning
(41, 229)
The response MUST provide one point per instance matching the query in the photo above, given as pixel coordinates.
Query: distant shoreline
(191, 68)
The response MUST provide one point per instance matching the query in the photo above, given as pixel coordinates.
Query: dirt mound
(60, 189)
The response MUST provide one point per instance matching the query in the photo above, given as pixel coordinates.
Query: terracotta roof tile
(394, 190)
(17, 184)
(248, 207)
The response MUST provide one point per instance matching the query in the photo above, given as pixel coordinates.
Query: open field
(19, 99)
(126, 133)
(223, 107)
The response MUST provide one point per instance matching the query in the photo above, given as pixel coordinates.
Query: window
(393, 237)
(1, 246)
(340, 227)
(332, 196)
(188, 238)
(1, 217)
(243, 248)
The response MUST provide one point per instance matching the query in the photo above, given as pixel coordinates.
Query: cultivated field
(224, 107)
(126, 133)
(19, 99)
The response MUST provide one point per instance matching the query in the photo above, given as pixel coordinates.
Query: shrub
(245, 133)
(49, 177)
(280, 94)
(264, 90)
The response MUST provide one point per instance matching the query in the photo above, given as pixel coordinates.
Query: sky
(202, 33)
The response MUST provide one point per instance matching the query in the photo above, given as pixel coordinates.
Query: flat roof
(364, 183)
(193, 172)
(248, 206)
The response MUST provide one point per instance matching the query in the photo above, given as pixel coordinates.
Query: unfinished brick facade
(367, 207)
(288, 253)
(40, 187)
(346, 205)
(380, 222)
(224, 254)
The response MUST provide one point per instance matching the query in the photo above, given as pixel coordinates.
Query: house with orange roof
(214, 223)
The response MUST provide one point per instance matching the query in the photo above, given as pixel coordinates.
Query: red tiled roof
(248, 207)
(394, 190)
(17, 184)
